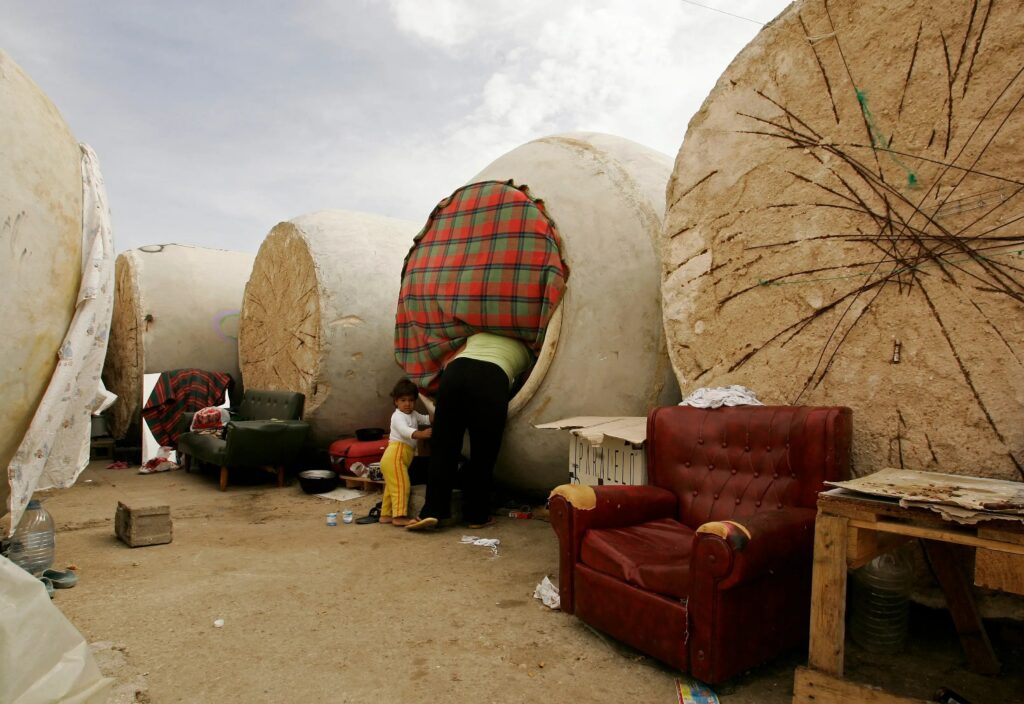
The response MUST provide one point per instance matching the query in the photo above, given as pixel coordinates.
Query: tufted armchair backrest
(265, 405)
(731, 462)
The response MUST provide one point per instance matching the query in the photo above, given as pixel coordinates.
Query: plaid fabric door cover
(488, 260)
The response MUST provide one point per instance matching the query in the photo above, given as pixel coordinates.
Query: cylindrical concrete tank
(319, 316)
(175, 307)
(604, 352)
(844, 227)
(41, 252)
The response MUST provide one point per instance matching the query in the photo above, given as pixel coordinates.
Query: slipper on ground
(61, 579)
(427, 523)
(372, 517)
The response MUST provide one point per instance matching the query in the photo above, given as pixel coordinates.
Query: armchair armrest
(737, 551)
(751, 569)
(614, 506)
(263, 442)
(574, 511)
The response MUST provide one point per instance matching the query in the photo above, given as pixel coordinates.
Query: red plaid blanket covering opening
(488, 260)
(177, 392)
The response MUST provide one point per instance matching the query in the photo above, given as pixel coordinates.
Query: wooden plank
(960, 537)
(1000, 570)
(852, 506)
(364, 483)
(813, 687)
(981, 657)
(828, 595)
(863, 545)
(840, 502)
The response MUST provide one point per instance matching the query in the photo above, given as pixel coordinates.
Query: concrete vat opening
(488, 260)
(602, 350)
(540, 366)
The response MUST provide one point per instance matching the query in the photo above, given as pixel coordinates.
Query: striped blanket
(180, 391)
(488, 260)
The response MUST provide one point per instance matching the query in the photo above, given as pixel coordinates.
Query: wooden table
(850, 531)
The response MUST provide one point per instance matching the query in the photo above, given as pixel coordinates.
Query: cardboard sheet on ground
(342, 494)
(963, 499)
(45, 659)
(594, 429)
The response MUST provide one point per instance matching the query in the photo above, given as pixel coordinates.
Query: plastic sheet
(43, 657)
(547, 592)
(55, 449)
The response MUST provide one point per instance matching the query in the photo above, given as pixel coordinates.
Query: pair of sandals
(428, 523)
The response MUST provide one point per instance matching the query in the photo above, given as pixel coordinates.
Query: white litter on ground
(491, 543)
(548, 594)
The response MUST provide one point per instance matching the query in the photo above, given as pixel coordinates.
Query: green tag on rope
(879, 141)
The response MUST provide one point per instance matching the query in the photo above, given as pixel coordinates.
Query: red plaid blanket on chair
(179, 391)
(488, 260)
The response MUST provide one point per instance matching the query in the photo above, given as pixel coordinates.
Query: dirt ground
(373, 613)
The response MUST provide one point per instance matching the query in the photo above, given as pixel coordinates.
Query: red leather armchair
(708, 567)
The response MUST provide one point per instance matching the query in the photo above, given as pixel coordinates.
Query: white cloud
(637, 69)
(211, 132)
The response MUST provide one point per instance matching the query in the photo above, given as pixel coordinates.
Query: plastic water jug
(880, 604)
(32, 545)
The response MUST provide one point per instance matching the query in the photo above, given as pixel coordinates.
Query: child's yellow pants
(394, 465)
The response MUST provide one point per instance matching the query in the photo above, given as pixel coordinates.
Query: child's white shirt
(403, 425)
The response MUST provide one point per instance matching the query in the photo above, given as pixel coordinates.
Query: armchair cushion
(654, 556)
(207, 448)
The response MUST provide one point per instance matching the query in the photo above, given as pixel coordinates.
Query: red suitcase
(349, 450)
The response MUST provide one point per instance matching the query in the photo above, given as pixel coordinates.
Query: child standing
(394, 465)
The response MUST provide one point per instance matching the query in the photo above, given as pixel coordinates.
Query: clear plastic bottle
(880, 603)
(32, 545)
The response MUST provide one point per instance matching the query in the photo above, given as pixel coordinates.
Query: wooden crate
(143, 523)
(363, 483)
(101, 448)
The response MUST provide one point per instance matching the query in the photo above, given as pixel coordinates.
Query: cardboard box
(605, 449)
(143, 523)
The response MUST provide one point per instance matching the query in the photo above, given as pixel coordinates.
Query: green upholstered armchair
(265, 431)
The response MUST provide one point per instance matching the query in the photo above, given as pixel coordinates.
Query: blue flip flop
(61, 579)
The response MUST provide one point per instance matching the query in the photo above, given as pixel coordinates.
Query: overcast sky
(213, 121)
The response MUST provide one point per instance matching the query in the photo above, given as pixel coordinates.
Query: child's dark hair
(404, 387)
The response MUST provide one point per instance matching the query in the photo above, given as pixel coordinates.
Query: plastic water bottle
(32, 545)
(880, 607)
